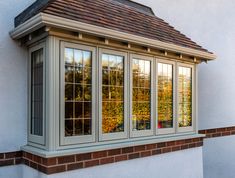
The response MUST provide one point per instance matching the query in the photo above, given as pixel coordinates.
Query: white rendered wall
(12, 80)
(180, 164)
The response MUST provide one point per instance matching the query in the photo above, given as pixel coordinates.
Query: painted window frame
(113, 136)
(194, 90)
(164, 131)
(142, 133)
(85, 138)
(35, 139)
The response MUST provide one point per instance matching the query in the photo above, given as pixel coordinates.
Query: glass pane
(69, 74)
(141, 96)
(69, 56)
(78, 58)
(165, 95)
(185, 97)
(37, 93)
(112, 93)
(78, 82)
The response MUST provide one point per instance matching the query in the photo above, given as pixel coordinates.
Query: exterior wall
(12, 79)
(211, 24)
(184, 164)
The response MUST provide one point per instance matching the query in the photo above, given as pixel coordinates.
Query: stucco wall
(12, 80)
(184, 164)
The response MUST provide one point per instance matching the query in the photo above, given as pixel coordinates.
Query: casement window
(185, 98)
(165, 97)
(106, 95)
(37, 94)
(77, 93)
(112, 94)
(141, 123)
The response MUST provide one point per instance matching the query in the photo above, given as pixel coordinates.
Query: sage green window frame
(164, 131)
(35, 139)
(119, 135)
(193, 127)
(150, 132)
(84, 138)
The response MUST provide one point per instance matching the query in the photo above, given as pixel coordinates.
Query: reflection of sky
(77, 57)
(165, 70)
(112, 62)
(142, 66)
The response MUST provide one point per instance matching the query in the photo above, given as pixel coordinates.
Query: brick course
(79, 161)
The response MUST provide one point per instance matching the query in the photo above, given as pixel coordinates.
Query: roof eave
(43, 19)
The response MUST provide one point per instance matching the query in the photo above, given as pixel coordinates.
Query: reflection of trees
(165, 102)
(112, 94)
(185, 100)
(77, 92)
(141, 97)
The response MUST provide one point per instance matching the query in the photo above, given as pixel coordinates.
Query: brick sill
(105, 146)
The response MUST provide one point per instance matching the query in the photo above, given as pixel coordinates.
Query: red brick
(6, 162)
(92, 163)
(114, 152)
(55, 169)
(161, 145)
(99, 154)
(184, 147)
(166, 150)
(150, 147)
(188, 140)
(75, 166)
(180, 142)
(66, 159)
(133, 156)
(199, 144)
(107, 160)
(25, 161)
(170, 143)
(226, 133)
(28, 155)
(232, 132)
(37, 159)
(192, 145)
(1, 155)
(230, 128)
(217, 135)
(120, 158)
(221, 129)
(33, 165)
(139, 148)
(145, 153)
(18, 160)
(83, 157)
(49, 161)
(176, 148)
(127, 150)
(211, 131)
(17, 154)
(157, 152)
(196, 139)
(202, 131)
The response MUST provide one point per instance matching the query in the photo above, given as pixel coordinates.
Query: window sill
(105, 146)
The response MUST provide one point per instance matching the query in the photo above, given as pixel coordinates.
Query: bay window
(108, 95)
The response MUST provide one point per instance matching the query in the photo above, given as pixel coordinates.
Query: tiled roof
(121, 15)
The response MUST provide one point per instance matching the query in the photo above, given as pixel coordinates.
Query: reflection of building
(115, 83)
